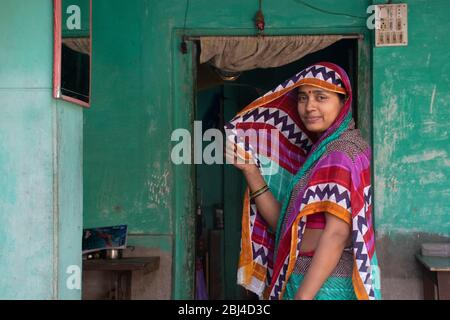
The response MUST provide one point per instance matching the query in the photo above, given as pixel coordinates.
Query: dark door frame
(184, 66)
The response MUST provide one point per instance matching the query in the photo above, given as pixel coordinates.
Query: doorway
(220, 188)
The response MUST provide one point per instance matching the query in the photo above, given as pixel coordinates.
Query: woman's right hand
(235, 157)
(266, 203)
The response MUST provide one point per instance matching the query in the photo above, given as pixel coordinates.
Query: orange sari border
(275, 95)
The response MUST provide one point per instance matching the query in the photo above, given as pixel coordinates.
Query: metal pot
(113, 254)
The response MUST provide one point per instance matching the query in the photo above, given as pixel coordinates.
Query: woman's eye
(302, 98)
(321, 98)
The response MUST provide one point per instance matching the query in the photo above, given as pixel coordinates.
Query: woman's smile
(313, 119)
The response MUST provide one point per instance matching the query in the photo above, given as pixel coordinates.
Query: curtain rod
(344, 36)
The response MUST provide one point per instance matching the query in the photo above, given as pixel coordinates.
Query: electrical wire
(183, 46)
(185, 14)
(328, 12)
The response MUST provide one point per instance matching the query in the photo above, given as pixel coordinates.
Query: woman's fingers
(236, 155)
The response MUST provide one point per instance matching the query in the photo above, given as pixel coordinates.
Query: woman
(315, 194)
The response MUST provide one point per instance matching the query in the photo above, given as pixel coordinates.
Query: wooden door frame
(183, 97)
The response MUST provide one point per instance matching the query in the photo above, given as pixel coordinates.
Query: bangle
(255, 192)
(257, 195)
(259, 192)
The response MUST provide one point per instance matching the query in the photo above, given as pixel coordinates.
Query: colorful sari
(329, 175)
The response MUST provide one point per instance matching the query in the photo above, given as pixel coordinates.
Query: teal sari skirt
(338, 286)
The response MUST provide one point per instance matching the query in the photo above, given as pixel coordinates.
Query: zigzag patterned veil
(273, 121)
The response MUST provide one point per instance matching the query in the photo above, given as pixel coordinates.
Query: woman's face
(318, 108)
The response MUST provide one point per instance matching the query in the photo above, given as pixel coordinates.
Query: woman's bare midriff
(311, 238)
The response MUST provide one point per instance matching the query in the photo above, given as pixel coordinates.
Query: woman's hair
(342, 97)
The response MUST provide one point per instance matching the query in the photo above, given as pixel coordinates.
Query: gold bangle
(263, 191)
(260, 192)
(255, 192)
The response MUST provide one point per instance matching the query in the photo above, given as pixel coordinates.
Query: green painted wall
(411, 101)
(127, 176)
(40, 161)
(411, 116)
